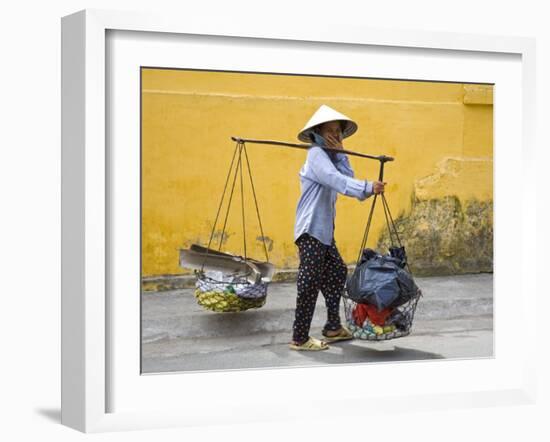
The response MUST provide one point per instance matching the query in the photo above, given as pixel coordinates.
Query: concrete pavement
(453, 320)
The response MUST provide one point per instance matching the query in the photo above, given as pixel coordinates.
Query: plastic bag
(381, 280)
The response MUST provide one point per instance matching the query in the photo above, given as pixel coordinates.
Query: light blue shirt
(321, 179)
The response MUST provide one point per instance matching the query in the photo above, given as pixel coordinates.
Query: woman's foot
(342, 334)
(312, 344)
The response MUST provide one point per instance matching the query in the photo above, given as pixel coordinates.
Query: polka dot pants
(321, 268)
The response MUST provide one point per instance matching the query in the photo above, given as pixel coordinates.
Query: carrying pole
(382, 158)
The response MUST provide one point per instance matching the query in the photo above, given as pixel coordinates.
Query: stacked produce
(374, 328)
(225, 293)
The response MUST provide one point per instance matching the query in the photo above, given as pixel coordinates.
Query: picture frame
(87, 278)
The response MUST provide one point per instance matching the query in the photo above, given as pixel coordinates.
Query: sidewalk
(453, 320)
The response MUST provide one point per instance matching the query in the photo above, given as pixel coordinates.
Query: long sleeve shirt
(321, 179)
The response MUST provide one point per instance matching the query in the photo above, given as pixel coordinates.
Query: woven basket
(370, 332)
(225, 297)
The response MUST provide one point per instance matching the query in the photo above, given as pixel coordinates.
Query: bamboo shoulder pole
(381, 158)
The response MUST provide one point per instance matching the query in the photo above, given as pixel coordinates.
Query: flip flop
(343, 335)
(312, 344)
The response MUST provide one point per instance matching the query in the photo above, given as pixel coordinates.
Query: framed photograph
(191, 158)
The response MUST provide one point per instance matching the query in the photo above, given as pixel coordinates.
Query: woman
(322, 177)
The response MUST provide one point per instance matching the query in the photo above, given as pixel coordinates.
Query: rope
(386, 206)
(242, 203)
(219, 207)
(230, 199)
(395, 230)
(389, 223)
(256, 202)
(366, 234)
(387, 220)
(240, 146)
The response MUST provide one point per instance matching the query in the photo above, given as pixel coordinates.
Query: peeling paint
(445, 236)
(268, 241)
(467, 178)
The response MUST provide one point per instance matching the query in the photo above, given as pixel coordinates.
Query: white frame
(84, 311)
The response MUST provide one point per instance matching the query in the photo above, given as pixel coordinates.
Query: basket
(398, 324)
(236, 295)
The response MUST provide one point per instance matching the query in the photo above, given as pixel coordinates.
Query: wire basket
(397, 324)
(236, 295)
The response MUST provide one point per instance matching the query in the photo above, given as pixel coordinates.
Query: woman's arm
(320, 169)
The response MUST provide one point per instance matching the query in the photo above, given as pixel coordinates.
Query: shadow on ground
(359, 353)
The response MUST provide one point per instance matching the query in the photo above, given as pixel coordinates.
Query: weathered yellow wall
(439, 133)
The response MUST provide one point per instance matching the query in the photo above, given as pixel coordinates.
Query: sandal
(312, 344)
(343, 335)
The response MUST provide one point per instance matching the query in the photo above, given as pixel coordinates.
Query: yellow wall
(439, 133)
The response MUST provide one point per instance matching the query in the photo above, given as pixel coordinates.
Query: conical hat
(323, 115)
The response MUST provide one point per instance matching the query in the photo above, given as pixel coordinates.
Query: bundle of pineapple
(222, 293)
(226, 301)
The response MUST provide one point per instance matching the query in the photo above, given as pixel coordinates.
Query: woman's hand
(378, 187)
(334, 142)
